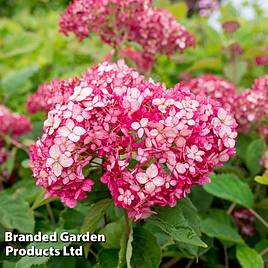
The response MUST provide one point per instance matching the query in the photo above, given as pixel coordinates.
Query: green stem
(259, 217)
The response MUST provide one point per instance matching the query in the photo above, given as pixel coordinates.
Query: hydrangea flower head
(154, 144)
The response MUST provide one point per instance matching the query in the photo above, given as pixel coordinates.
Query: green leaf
(14, 82)
(94, 215)
(146, 252)
(206, 64)
(113, 232)
(248, 257)
(15, 213)
(262, 179)
(21, 43)
(253, 155)
(180, 222)
(218, 224)
(73, 218)
(179, 10)
(27, 261)
(108, 258)
(230, 187)
(235, 71)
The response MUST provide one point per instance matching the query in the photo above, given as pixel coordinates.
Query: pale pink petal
(54, 151)
(158, 181)
(180, 168)
(152, 171)
(57, 169)
(149, 186)
(144, 122)
(74, 137)
(222, 113)
(65, 161)
(50, 162)
(64, 131)
(70, 124)
(140, 132)
(79, 131)
(135, 125)
(142, 178)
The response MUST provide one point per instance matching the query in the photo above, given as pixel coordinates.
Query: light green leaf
(230, 187)
(179, 10)
(253, 155)
(262, 179)
(248, 257)
(15, 213)
(21, 43)
(180, 222)
(15, 81)
(146, 252)
(218, 224)
(94, 215)
(206, 64)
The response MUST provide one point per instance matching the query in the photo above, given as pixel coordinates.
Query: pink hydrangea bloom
(210, 85)
(250, 106)
(155, 144)
(206, 7)
(50, 94)
(13, 124)
(121, 21)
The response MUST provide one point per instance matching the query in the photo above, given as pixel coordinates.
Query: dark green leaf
(16, 213)
(253, 155)
(94, 215)
(230, 187)
(218, 224)
(108, 258)
(173, 221)
(146, 253)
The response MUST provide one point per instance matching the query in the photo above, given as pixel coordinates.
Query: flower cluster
(121, 21)
(50, 94)
(13, 124)
(210, 85)
(250, 106)
(244, 220)
(154, 144)
(206, 7)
